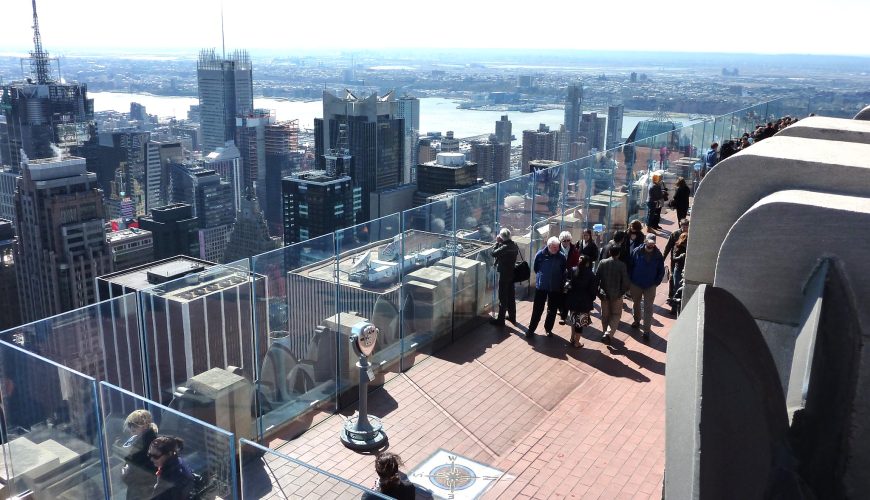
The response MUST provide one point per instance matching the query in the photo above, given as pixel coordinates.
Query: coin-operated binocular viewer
(363, 432)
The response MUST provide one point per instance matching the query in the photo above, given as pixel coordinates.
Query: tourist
(710, 159)
(587, 246)
(549, 267)
(655, 200)
(635, 235)
(680, 202)
(669, 247)
(613, 282)
(580, 298)
(572, 257)
(174, 479)
(391, 481)
(678, 261)
(138, 471)
(647, 272)
(505, 252)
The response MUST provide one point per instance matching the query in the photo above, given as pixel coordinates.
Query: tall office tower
(10, 313)
(137, 112)
(42, 111)
(283, 158)
(158, 156)
(250, 233)
(227, 162)
(8, 185)
(538, 145)
(561, 144)
(449, 144)
(226, 91)
(503, 130)
(123, 156)
(492, 158)
(408, 109)
(130, 248)
(174, 230)
(573, 109)
(614, 125)
(61, 246)
(449, 172)
(212, 202)
(316, 203)
(375, 139)
(251, 141)
(594, 129)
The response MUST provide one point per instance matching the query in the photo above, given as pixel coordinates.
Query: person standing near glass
(138, 471)
(549, 267)
(505, 253)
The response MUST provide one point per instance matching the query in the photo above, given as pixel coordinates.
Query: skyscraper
(174, 230)
(226, 91)
(375, 141)
(408, 109)
(10, 314)
(449, 172)
(492, 158)
(43, 113)
(212, 202)
(614, 125)
(503, 130)
(538, 145)
(62, 240)
(594, 129)
(573, 109)
(283, 158)
(158, 156)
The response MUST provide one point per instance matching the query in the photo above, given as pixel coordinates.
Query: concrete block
(772, 165)
(829, 129)
(808, 226)
(864, 114)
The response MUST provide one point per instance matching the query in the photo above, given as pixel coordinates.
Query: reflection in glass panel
(369, 290)
(101, 341)
(297, 372)
(278, 475)
(130, 424)
(475, 278)
(51, 439)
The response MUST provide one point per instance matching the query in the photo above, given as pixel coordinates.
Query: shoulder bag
(522, 272)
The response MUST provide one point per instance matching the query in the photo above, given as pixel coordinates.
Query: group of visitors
(657, 197)
(567, 281)
(153, 468)
(730, 147)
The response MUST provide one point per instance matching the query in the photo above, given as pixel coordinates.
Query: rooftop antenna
(39, 61)
(223, 42)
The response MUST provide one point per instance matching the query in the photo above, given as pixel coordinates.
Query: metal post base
(363, 439)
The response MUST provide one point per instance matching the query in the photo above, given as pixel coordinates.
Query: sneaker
(605, 339)
(646, 337)
(635, 324)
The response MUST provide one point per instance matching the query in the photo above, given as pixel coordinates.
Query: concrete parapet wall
(864, 114)
(829, 129)
(778, 163)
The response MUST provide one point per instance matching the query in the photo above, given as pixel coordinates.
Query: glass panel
(278, 475)
(547, 201)
(197, 330)
(515, 213)
(476, 216)
(207, 451)
(428, 248)
(370, 290)
(101, 341)
(52, 443)
(298, 321)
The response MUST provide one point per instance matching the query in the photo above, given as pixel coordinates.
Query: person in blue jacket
(647, 272)
(550, 267)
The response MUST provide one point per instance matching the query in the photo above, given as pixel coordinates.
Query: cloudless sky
(755, 26)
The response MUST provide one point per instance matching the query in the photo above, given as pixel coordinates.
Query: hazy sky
(758, 26)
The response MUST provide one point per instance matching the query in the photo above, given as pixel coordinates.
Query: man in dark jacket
(654, 202)
(549, 267)
(647, 272)
(669, 248)
(505, 253)
(613, 282)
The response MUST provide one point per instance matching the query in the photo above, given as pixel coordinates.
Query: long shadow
(257, 481)
(606, 364)
(474, 344)
(617, 348)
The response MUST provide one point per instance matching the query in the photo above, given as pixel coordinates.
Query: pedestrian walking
(580, 298)
(680, 202)
(505, 253)
(549, 267)
(613, 282)
(647, 272)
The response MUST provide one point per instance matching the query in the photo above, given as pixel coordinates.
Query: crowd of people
(717, 153)
(153, 469)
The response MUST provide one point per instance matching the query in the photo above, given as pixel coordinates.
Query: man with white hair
(505, 253)
(549, 267)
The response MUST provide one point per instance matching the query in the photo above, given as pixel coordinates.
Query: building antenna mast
(39, 61)
(223, 42)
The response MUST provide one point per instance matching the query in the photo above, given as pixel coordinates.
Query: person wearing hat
(647, 272)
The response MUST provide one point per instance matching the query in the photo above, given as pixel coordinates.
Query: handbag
(522, 271)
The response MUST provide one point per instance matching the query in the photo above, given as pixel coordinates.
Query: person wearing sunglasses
(174, 480)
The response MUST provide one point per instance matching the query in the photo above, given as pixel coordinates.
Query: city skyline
(823, 33)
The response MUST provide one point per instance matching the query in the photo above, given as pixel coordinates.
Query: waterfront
(436, 114)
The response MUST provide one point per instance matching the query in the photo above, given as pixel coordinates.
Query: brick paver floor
(561, 422)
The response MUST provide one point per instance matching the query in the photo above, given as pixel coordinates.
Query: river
(436, 114)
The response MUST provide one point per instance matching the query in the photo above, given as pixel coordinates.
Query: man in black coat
(505, 253)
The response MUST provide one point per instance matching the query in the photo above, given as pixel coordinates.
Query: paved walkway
(561, 422)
